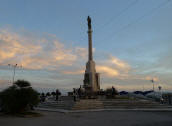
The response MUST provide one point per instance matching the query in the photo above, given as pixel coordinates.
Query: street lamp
(160, 91)
(153, 84)
(14, 71)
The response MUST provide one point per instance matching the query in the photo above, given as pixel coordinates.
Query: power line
(137, 20)
(115, 17)
(119, 14)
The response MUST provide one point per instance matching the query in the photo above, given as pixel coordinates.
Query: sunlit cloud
(81, 52)
(33, 52)
(107, 71)
(112, 67)
(66, 64)
(73, 72)
(119, 63)
(151, 78)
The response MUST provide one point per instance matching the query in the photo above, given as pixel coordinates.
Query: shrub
(18, 97)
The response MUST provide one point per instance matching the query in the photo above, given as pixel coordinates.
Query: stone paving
(102, 118)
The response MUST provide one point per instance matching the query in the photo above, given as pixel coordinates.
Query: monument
(91, 78)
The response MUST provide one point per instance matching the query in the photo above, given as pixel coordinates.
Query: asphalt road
(104, 118)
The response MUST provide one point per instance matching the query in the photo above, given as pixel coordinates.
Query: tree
(48, 94)
(19, 97)
(53, 93)
(22, 83)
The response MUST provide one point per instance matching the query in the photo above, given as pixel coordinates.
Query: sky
(131, 43)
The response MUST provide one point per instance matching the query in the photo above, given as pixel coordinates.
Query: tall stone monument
(91, 78)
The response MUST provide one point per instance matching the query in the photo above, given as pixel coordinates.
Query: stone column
(90, 56)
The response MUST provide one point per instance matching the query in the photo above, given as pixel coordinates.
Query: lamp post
(153, 87)
(160, 91)
(14, 71)
(153, 84)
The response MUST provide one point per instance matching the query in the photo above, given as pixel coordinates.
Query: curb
(99, 110)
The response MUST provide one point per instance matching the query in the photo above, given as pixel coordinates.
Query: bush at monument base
(18, 97)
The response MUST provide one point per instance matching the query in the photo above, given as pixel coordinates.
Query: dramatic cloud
(57, 65)
(33, 52)
(113, 67)
(152, 78)
(13, 44)
(107, 71)
(109, 68)
(119, 63)
(73, 72)
(46, 52)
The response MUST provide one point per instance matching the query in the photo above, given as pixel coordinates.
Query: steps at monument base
(88, 104)
(102, 104)
(133, 104)
(115, 104)
(137, 106)
(56, 105)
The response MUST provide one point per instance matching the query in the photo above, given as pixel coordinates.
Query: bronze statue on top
(89, 22)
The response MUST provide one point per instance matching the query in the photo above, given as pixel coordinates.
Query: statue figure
(89, 22)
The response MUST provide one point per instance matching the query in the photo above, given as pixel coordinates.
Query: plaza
(102, 118)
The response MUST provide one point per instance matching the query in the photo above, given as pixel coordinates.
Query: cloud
(73, 72)
(112, 66)
(107, 71)
(151, 78)
(66, 64)
(107, 68)
(46, 52)
(35, 52)
(10, 49)
(81, 52)
(119, 63)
